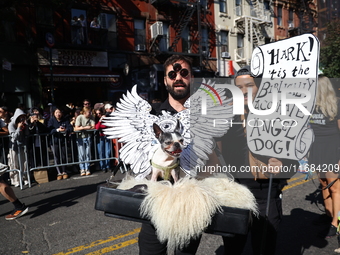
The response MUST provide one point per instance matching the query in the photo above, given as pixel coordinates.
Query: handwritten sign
(277, 122)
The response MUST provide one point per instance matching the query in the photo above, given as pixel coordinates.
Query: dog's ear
(158, 131)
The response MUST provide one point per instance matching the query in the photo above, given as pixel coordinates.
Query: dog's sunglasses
(178, 68)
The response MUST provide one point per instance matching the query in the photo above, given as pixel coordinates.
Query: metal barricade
(58, 150)
(4, 157)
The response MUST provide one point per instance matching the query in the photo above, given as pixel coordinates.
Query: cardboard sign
(279, 114)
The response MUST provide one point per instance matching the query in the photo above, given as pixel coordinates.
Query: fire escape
(185, 10)
(251, 21)
(308, 16)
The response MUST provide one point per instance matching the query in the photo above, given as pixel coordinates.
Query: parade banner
(279, 114)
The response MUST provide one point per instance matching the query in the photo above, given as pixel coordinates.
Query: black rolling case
(124, 204)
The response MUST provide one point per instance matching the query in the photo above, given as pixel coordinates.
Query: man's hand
(274, 166)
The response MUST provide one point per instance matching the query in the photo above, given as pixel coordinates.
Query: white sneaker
(25, 182)
(82, 173)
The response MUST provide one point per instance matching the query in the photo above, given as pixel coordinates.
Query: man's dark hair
(246, 71)
(174, 58)
(243, 71)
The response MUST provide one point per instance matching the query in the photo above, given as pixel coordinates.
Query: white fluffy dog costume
(183, 210)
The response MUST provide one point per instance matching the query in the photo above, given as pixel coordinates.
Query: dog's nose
(177, 145)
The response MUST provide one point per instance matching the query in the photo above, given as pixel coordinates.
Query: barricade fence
(43, 151)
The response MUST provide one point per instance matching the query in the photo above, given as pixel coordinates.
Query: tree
(330, 53)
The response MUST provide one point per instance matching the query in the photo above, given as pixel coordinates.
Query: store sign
(112, 79)
(79, 58)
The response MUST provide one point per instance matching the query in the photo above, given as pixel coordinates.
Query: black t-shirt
(321, 124)
(157, 108)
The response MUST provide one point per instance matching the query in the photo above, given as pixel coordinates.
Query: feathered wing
(131, 123)
(208, 115)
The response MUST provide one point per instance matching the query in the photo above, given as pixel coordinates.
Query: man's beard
(178, 95)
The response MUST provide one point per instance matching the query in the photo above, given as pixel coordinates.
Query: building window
(223, 6)
(224, 41)
(266, 5)
(238, 7)
(108, 21)
(291, 18)
(44, 15)
(79, 27)
(279, 15)
(240, 45)
(103, 31)
(7, 26)
(140, 35)
(204, 4)
(186, 40)
(164, 41)
(205, 41)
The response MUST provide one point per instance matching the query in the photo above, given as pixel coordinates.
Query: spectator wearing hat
(108, 109)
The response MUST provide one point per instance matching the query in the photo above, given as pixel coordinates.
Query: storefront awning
(83, 77)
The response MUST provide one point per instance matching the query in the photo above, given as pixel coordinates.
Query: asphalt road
(62, 220)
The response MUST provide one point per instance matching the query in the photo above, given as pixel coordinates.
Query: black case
(125, 204)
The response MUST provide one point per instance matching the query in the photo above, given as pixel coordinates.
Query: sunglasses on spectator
(178, 68)
(86, 103)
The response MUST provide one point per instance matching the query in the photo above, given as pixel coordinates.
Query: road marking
(84, 177)
(296, 178)
(298, 183)
(98, 242)
(114, 247)
(137, 230)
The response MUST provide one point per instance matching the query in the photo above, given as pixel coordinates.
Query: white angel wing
(131, 123)
(208, 115)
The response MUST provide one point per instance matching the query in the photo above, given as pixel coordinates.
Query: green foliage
(330, 52)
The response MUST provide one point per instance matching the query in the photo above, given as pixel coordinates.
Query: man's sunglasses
(178, 68)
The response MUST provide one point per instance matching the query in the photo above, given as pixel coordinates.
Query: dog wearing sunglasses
(165, 160)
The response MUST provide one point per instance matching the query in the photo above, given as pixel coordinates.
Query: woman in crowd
(59, 127)
(5, 115)
(325, 151)
(84, 123)
(36, 143)
(18, 131)
(103, 144)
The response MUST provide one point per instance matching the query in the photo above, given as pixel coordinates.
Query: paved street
(62, 220)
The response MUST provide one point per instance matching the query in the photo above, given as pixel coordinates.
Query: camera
(22, 119)
(107, 114)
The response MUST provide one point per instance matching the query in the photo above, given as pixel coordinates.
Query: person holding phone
(59, 127)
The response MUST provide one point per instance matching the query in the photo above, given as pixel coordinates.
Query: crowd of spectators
(25, 132)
